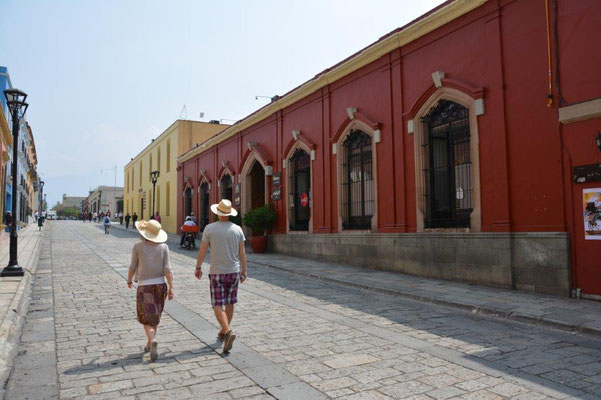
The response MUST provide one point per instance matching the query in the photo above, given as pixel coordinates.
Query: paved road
(298, 338)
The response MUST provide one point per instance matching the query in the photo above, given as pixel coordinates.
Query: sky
(104, 78)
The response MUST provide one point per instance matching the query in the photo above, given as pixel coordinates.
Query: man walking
(227, 267)
(134, 218)
(127, 218)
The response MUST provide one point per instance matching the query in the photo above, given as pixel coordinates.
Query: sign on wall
(276, 186)
(592, 213)
(277, 179)
(276, 193)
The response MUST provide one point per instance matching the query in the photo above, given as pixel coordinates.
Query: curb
(487, 311)
(12, 324)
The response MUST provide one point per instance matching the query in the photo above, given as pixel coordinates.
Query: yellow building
(161, 155)
(32, 178)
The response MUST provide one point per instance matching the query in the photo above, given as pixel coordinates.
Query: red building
(456, 147)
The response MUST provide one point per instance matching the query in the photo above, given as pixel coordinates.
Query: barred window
(204, 205)
(226, 187)
(188, 201)
(357, 181)
(299, 187)
(447, 166)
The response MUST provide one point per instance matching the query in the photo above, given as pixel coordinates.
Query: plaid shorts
(224, 288)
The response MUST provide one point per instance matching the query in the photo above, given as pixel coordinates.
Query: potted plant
(259, 220)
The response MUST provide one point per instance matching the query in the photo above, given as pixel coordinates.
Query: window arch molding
(249, 160)
(292, 148)
(419, 132)
(224, 171)
(340, 153)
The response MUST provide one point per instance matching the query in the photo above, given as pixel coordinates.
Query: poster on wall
(592, 213)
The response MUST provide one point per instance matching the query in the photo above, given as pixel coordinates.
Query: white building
(105, 198)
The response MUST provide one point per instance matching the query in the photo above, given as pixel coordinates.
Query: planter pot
(258, 244)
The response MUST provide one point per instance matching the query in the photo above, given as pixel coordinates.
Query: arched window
(226, 187)
(204, 205)
(447, 166)
(357, 181)
(299, 175)
(188, 201)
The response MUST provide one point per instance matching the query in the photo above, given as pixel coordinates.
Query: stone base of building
(532, 261)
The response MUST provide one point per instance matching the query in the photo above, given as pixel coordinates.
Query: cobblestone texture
(297, 338)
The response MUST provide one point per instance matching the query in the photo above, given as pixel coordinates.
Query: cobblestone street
(297, 338)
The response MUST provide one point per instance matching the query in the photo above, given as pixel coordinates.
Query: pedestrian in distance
(106, 221)
(120, 218)
(127, 218)
(227, 267)
(90, 217)
(150, 265)
(157, 217)
(134, 218)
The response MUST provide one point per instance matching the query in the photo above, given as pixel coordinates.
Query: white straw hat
(151, 230)
(224, 208)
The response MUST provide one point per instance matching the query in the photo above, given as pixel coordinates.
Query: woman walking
(150, 265)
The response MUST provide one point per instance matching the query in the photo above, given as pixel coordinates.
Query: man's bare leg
(222, 318)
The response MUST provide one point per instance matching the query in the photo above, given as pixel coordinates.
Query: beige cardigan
(149, 260)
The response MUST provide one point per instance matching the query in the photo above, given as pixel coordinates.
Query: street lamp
(15, 99)
(40, 199)
(154, 177)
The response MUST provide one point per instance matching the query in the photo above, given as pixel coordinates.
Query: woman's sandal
(154, 351)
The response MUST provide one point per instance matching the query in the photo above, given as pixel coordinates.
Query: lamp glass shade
(15, 97)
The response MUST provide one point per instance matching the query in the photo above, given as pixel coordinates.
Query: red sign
(304, 200)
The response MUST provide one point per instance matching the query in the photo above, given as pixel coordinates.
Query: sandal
(154, 351)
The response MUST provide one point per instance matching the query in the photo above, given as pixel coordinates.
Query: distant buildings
(104, 199)
(160, 155)
(27, 185)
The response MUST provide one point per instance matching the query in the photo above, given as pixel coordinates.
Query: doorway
(257, 185)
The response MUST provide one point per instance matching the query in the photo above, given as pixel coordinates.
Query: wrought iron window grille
(447, 166)
(357, 181)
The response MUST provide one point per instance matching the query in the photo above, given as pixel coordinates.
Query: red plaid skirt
(150, 300)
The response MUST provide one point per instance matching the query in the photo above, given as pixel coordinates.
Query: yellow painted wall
(161, 155)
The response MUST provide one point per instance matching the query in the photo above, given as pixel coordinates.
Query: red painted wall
(501, 47)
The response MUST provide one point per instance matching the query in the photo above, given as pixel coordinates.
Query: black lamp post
(17, 106)
(154, 177)
(40, 199)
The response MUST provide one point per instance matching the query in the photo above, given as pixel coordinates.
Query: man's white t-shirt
(224, 237)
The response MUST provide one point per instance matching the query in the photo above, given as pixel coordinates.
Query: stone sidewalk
(583, 316)
(15, 294)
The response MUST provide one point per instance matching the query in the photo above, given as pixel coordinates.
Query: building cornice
(396, 39)
(173, 127)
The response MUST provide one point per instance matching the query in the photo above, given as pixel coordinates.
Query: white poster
(592, 213)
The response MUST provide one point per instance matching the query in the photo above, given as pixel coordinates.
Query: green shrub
(260, 219)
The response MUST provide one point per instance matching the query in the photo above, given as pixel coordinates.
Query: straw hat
(224, 208)
(151, 230)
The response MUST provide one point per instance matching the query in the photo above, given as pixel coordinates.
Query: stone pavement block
(336, 383)
(370, 395)
(296, 391)
(209, 388)
(32, 393)
(405, 389)
(110, 386)
(352, 360)
(268, 376)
